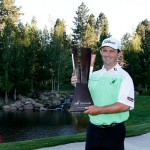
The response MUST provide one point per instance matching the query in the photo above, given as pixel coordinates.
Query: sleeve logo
(130, 99)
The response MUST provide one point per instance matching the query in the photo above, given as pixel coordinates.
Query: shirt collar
(115, 68)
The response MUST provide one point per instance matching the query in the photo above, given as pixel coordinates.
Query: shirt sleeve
(126, 93)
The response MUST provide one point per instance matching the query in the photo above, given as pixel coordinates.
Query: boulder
(27, 102)
(56, 103)
(20, 108)
(19, 104)
(37, 105)
(136, 92)
(32, 101)
(6, 107)
(57, 95)
(13, 108)
(13, 105)
(42, 109)
(28, 106)
(43, 97)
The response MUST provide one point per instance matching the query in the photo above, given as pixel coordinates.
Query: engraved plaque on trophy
(81, 60)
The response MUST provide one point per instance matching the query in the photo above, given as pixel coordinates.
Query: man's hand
(73, 80)
(92, 110)
(109, 109)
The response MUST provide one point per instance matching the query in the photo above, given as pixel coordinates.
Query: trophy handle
(76, 68)
(93, 57)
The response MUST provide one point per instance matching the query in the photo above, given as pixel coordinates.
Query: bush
(146, 93)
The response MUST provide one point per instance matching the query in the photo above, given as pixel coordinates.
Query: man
(112, 92)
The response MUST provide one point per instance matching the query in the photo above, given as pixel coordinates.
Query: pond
(27, 125)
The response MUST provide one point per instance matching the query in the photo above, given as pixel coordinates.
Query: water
(27, 125)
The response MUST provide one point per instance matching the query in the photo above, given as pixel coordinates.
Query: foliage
(137, 54)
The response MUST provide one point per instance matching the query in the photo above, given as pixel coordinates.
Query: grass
(139, 123)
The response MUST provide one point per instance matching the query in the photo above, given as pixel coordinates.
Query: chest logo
(113, 82)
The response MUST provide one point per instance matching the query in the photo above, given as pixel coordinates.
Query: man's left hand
(92, 110)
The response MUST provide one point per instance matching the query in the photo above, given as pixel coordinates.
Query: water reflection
(26, 125)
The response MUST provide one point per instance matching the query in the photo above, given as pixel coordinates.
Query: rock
(6, 107)
(12, 105)
(136, 92)
(37, 105)
(43, 97)
(56, 103)
(27, 102)
(19, 97)
(36, 108)
(19, 104)
(20, 108)
(13, 108)
(28, 106)
(32, 101)
(23, 99)
(57, 95)
(62, 100)
(42, 109)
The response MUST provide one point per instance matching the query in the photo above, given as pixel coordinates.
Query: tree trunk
(6, 97)
(54, 84)
(145, 87)
(15, 97)
(58, 81)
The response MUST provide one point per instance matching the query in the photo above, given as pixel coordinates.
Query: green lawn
(139, 123)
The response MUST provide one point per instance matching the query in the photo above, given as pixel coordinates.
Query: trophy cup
(81, 67)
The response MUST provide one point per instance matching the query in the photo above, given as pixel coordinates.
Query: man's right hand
(73, 80)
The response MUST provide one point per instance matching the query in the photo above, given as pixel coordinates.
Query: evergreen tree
(102, 27)
(60, 52)
(80, 24)
(143, 30)
(6, 58)
(90, 38)
(102, 33)
(92, 21)
(9, 10)
(131, 46)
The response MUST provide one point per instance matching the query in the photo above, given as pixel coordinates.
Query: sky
(123, 15)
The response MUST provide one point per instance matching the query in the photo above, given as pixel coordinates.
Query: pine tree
(6, 58)
(92, 21)
(60, 52)
(143, 30)
(80, 24)
(9, 10)
(102, 27)
(90, 38)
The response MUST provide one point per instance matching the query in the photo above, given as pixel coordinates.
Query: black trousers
(111, 138)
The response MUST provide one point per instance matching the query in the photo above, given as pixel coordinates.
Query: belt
(108, 126)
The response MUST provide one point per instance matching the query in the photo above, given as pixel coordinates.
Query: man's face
(109, 55)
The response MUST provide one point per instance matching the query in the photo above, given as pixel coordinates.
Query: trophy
(81, 68)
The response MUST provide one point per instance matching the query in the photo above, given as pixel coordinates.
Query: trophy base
(81, 98)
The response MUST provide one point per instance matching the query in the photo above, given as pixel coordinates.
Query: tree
(132, 50)
(102, 27)
(143, 30)
(92, 21)
(6, 58)
(90, 38)
(8, 10)
(102, 33)
(60, 50)
(80, 24)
